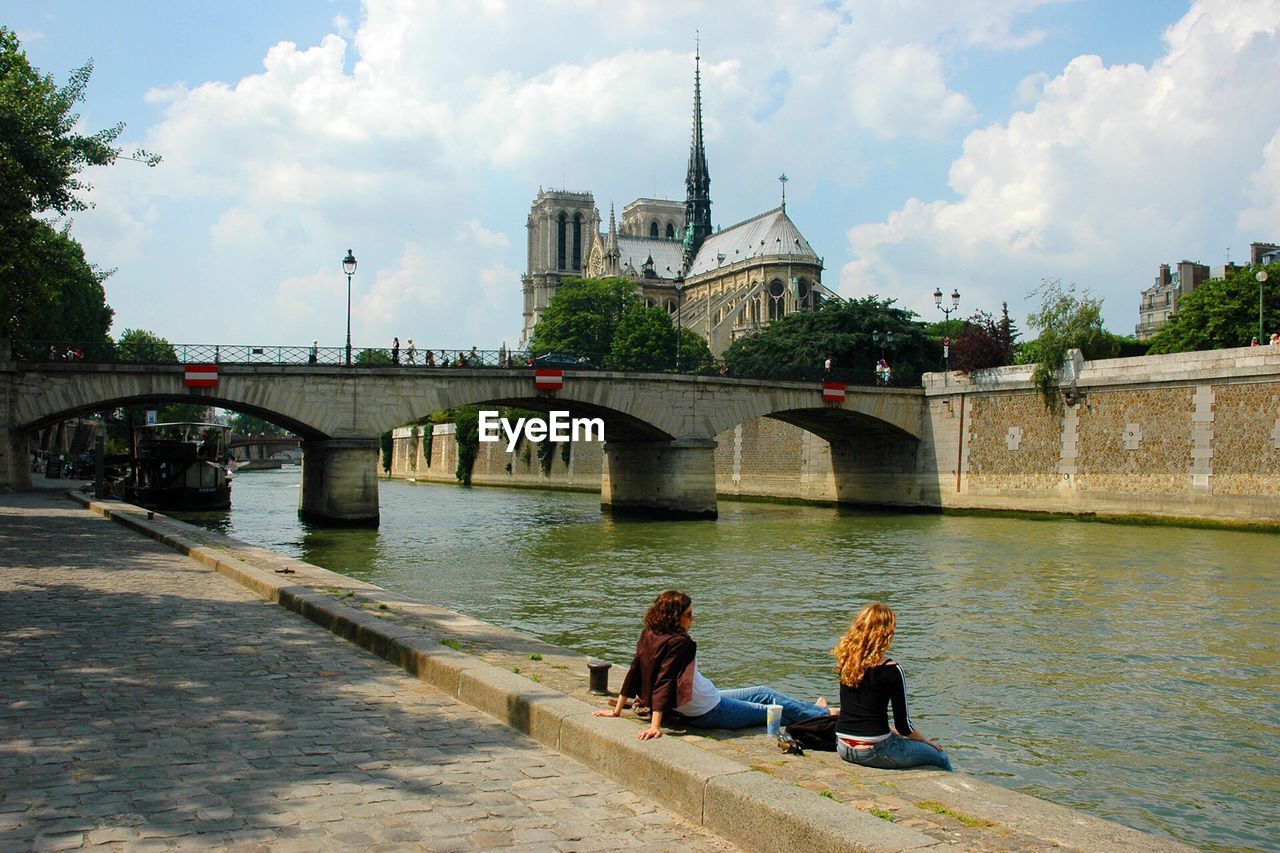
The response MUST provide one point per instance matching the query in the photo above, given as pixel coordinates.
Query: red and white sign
(202, 376)
(548, 380)
(832, 392)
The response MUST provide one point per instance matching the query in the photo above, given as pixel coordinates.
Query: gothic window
(671, 231)
(577, 241)
(671, 306)
(560, 239)
(777, 300)
(653, 229)
(803, 293)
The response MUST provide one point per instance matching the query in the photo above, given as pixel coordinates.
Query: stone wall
(1191, 435)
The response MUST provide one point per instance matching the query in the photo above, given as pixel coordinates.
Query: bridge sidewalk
(151, 703)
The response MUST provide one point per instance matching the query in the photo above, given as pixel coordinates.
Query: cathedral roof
(771, 233)
(634, 251)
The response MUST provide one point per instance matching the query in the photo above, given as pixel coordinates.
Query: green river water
(1129, 671)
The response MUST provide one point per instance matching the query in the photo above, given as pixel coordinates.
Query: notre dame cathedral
(721, 283)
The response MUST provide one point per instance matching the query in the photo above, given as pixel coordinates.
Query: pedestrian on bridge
(411, 354)
(395, 351)
(314, 355)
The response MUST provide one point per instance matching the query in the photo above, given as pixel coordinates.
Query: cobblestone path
(147, 702)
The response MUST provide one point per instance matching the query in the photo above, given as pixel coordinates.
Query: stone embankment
(737, 786)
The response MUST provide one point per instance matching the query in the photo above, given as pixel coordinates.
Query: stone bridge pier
(673, 479)
(340, 482)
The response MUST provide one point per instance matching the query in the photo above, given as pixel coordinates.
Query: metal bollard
(599, 676)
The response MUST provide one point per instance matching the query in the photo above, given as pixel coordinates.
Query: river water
(1129, 671)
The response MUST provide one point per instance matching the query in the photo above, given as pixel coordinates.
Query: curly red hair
(865, 643)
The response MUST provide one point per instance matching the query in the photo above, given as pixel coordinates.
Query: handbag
(815, 733)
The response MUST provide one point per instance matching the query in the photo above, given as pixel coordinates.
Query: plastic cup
(773, 720)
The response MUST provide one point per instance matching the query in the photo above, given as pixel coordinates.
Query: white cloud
(1263, 190)
(1030, 88)
(901, 91)
(1115, 169)
(403, 130)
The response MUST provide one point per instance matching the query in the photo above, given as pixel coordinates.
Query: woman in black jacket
(869, 682)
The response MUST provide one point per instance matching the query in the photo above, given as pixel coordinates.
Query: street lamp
(679, 305)
(877, 337)
(1262, 279)
(349, 267)
(946, 313)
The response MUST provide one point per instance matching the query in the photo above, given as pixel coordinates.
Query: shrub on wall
(546, 451)
(384, 441)
(467, 435)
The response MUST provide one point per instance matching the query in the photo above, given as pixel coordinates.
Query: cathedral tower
(697, 203)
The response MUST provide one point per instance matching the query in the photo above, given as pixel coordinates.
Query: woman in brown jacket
(664, 677)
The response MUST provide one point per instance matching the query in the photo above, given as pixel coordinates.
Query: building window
(671, 231)
(777, 300)
(1168, 298)
(804, 293)
(560, 238)
(577, 241)
(653, 229)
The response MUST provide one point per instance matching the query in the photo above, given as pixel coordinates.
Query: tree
(799, 343)
(1222, 313)
(645, 339)
(1065, 321)
(373, 357)
(141, 345)
(243, 424)
(41, 152)
(583, 316)
(984, 342)
(47, 290)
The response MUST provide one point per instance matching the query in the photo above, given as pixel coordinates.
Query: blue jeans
(895, 753)
(747, 706)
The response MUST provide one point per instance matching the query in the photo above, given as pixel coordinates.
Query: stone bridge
(659, 429)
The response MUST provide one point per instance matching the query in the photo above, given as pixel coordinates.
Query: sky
(978, 145)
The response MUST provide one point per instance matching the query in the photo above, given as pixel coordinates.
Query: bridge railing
(406, 358)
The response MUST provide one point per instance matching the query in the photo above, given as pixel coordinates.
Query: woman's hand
(654, 730)
(615, 711)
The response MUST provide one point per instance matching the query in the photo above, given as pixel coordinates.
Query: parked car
(563, 360)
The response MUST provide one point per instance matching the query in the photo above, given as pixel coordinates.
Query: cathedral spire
(611, 251)
(697, 203)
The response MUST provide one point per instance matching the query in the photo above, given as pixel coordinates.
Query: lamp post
(1262, 279)
(349, 267)
(679, 324)
(882, 339)
(946, 313)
